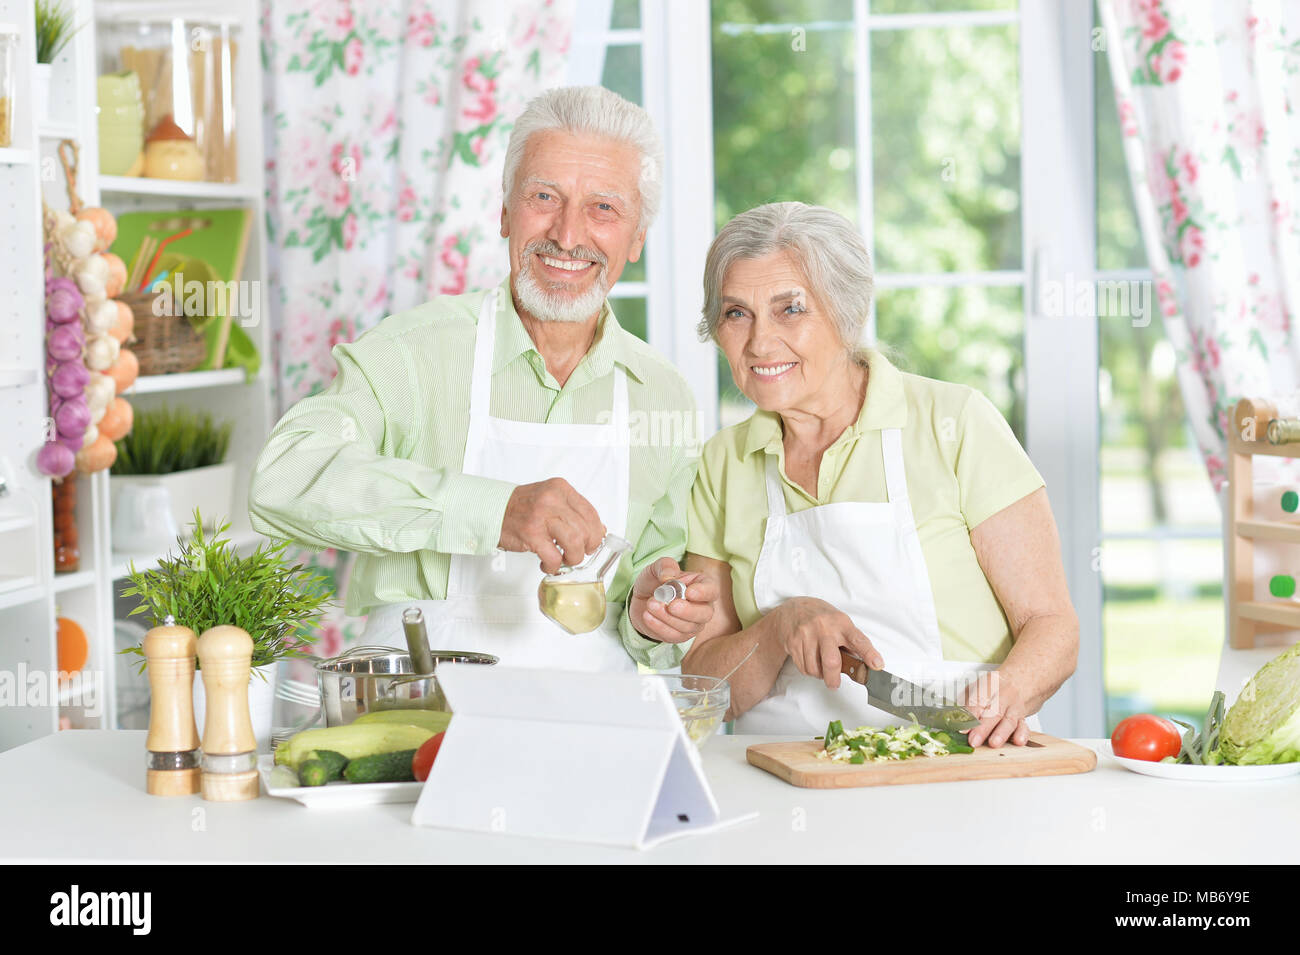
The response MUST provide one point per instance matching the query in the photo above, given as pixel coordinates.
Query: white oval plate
(1190, 772)
(339, 795)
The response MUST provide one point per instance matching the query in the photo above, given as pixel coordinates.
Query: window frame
(1058, 229)
(1062, 411)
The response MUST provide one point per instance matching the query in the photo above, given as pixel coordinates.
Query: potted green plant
(205, 583)
(53, 31)
(181, 450)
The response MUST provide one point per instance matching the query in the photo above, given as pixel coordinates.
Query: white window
(961, 136)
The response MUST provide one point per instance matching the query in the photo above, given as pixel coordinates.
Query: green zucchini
(352, 741)
(381, 768)
(313, 772)
(434, 720)
(334, 762)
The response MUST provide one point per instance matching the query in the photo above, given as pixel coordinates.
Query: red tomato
(1146, 737)
(425, 755)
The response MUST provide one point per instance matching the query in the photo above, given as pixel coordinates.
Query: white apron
(491, 604)
(864, 559)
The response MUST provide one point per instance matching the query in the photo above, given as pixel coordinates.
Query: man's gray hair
(595, 111)
(826, 247)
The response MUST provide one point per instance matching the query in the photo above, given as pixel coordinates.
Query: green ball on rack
(1283, 585)
(1290, 501)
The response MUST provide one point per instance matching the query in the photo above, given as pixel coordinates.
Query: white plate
(339, 795)
(1190, 772)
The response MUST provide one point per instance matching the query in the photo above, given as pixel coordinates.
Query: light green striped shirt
(372, 464)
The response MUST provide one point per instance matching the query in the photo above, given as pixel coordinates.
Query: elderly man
(474, 434)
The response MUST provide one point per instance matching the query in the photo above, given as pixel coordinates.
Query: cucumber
(334, 763)
(429, 719)
(351, 741)
(313, 772)
(381, 768)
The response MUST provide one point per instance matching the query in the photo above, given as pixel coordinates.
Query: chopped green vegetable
(868, 744)
(1263, 726)
(1203, 749)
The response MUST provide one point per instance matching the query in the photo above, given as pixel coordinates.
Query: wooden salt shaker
(229, 746)
(173, 740)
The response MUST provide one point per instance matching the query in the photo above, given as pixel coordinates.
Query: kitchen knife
(904, 699)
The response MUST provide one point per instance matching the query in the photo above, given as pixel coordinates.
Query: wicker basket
(165, 344)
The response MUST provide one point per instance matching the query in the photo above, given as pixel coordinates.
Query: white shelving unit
(157, 384)
(31, 594)
(225, 191)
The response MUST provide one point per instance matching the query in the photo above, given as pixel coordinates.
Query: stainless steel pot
(380, 678)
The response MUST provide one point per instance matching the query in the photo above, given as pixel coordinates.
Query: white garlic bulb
(100, 390)
(92, 433)
(97, 400)
(101, 352)
(91, 276)
(100, 317)
(78, 239)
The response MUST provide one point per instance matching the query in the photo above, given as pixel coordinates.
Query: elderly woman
(861, 514)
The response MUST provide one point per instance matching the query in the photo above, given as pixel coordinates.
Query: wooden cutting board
(798, 764)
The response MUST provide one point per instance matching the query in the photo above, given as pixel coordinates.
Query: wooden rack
(1248, 616)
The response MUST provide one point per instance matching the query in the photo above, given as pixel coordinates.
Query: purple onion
(63, 300)
(69, 379)
(72, 442)
(55, 459)
(65, 342)
(73, 417)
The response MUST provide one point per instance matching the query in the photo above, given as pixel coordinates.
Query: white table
(79, 796)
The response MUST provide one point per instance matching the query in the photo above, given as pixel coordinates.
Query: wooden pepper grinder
(229, 746)
(173, 741)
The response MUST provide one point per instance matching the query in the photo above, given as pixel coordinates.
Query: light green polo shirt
(372, 464)
(963, 464)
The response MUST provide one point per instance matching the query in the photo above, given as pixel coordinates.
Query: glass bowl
(701, 702)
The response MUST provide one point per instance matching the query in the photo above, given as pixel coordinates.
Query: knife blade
(906, 700)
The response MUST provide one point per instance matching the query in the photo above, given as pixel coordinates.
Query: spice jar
(67, 552)
(8, 62)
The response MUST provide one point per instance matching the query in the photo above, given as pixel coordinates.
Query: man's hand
(679, 620)
(553, 521)
(812, 632)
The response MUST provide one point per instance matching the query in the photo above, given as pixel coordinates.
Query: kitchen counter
(78, 796)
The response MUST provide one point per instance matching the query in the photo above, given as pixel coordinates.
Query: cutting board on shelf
(798, 764)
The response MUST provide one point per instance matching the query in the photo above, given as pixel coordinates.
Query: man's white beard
(548, 306)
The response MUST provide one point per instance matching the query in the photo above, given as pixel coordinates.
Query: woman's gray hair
(595, 111)
(826, 247)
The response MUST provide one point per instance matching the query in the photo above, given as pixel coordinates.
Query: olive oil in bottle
(577, 607)
(575, 597)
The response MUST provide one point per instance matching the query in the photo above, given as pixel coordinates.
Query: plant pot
(142, 521)
(41, 92)
(261, 703)
(210, 489)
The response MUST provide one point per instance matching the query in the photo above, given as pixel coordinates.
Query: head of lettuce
(1263, 726)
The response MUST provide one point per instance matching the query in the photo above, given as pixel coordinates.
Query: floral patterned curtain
(1209, 104)
(386, 129)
